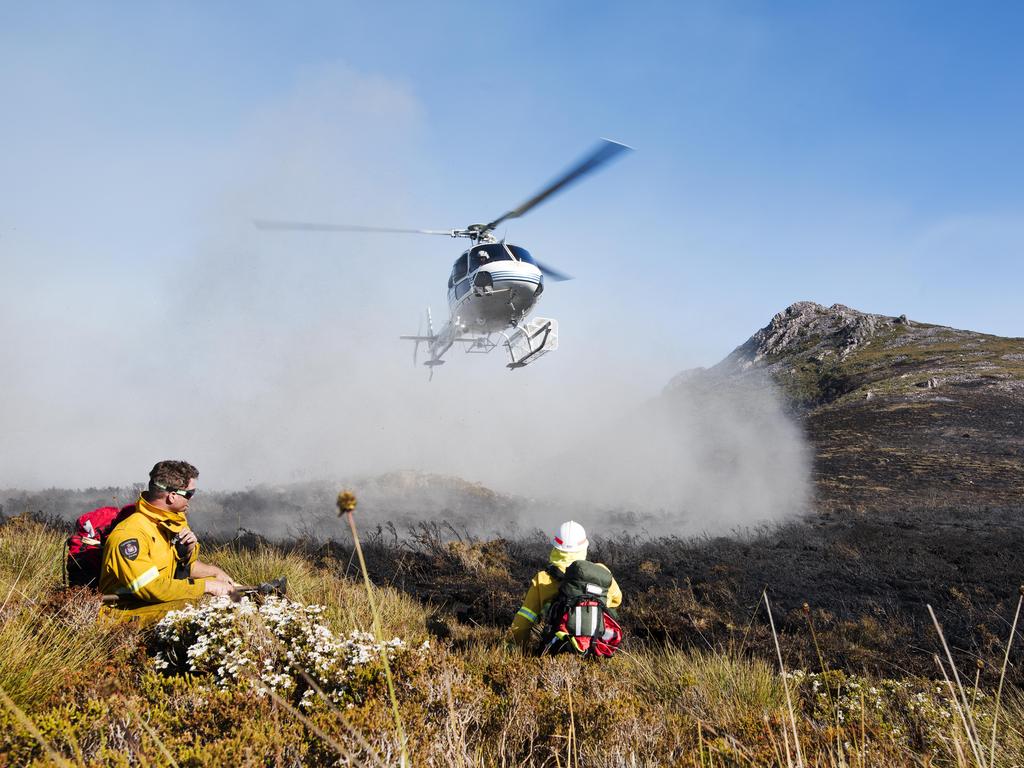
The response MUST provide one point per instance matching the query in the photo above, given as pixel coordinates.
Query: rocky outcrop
(809, 327)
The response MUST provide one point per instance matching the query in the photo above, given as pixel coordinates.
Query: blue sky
(862, 153)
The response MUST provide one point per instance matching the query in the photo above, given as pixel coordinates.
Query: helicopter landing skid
(481, 345)
(528, 343)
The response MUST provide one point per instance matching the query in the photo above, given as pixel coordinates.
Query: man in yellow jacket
(568, 545)
(151, 558)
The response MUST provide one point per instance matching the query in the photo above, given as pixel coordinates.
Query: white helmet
(570, 537)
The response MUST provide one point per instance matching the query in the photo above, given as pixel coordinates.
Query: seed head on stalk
(346, 506)
(346, 503)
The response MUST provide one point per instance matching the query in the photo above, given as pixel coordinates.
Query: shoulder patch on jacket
(129, 548)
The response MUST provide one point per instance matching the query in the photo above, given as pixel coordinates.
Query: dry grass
(30, 559)
(346, 601)
(48, 637)
(471, 701)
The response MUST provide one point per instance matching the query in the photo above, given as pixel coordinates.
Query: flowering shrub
(270, 646)
(923, 711)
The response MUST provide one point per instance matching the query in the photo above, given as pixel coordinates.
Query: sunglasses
(183, 494)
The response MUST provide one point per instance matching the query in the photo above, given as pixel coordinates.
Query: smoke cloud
(271, 360)
(711, 454)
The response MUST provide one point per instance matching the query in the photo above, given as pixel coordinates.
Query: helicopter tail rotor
(429, 339)
(416, 344)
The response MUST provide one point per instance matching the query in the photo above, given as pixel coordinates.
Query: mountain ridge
(897, 411)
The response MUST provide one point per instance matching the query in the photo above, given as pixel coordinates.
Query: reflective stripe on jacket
(543, 590)
(139, 562)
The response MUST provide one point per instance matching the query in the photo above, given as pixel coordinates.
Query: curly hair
(173, 475)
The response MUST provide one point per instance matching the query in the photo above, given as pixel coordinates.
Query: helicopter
(493, 286)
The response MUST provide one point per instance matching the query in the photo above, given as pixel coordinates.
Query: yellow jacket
(543, 590)
(139, 562)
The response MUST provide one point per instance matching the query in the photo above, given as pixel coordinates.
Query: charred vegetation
(862, 578)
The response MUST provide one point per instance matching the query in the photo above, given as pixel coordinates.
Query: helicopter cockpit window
(522, 254)
(459, 270)
(485, 254)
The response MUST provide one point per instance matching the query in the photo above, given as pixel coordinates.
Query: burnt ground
(867, 571)
(961, 445)
(866, 576)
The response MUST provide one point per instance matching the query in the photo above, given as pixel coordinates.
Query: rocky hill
(899, 412)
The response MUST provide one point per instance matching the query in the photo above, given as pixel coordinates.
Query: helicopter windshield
(522, 254)
(485, 254)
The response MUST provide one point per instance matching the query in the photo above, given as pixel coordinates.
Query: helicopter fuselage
(493, 286)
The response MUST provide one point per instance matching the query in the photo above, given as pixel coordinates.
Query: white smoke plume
(270, 359)
(709, 456)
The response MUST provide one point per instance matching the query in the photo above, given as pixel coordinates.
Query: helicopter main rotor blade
(551, 273)
(310, 226)
(600, 155)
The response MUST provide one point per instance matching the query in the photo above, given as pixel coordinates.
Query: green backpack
(579, 619)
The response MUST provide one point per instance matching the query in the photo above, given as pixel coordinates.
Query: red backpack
(85, 545)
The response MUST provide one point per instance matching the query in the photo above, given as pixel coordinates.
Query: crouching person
(151, 558)
(572, 600)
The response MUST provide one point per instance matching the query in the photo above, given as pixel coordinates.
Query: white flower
(211, 639)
